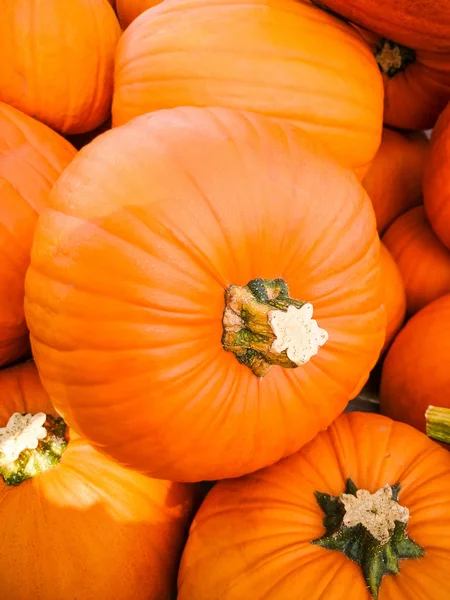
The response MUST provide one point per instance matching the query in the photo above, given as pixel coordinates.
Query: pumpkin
(347, 516)
(57, 59)
(154, 285)
(394, 179)
(74, 523)
(32, 158)
(416, 82)
(424, 262)
(128, 10)
(415, 373)
(436, 184)
(266, 56)
(394, 295)
(422, 24)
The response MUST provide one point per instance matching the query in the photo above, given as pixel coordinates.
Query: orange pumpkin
(57, 59)
(32, 158)
(436, 185)
(394, 295)
(128, 10)
(424, 262)
(88, 528)
(372, 488)
(394, 179)
(267, 56)
(155, 283)
(415, 373)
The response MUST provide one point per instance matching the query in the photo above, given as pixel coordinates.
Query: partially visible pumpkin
(416, 371)
(436, 185)
(266, 535)
(149, 294)
(394, 295)
(128, 10)
(57, 59)
(75, 524)
(423, 260)
(394, 179)
(283, 58)
(32, 157)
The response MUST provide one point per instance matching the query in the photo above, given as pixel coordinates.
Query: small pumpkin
(74, 523)
(171, 290)
(423, 260)
(415, 373)
(422, 24)
(128, 10)
(436, 185)
(266, 56)
(32, 158)
(348, 516)
(394, 295)
(394, 179)
(57, 59)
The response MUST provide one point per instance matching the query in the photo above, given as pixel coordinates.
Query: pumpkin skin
(256, 56)
(415, 373)
(424, 262)
(56, 60)
(175, 241)
(436, 184)
(32, 158)
(128, 10)
(81, 521)
(252, 536)
(394, 179)
(394, 295)
(424, 24)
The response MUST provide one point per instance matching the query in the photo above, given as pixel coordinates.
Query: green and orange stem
(369, 529)
(393, 58)
(438, 423)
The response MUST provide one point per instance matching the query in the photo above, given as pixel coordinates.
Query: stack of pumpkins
(198, 293)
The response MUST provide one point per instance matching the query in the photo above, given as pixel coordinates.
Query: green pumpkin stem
(263, 326)
(31, 445)
(438, 423)
(392, 58)
(370, 529)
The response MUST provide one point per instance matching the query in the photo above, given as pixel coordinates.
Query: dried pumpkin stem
(438, 423)
(370, 529)
(264, 326)
(30, 445)
(392, 58)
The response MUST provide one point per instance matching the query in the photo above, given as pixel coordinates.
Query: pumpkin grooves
(392, 58)
(438, 423)
(263, 326)
(370, 529)
(31, 445)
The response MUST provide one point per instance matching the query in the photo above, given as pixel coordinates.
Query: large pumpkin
(394, 179)
(75, 524)
(423, 24)
(128, 10)
(283, 58)
(394, 295)
(436, 185)
(57, 59)
(32, 158)
(153, 292)
(416, 371)
(367, 491)
(423, 260)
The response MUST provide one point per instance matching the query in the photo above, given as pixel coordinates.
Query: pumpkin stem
(30, 445)
(392, 58)
(370, 529)
(438, 423)
(263, 326)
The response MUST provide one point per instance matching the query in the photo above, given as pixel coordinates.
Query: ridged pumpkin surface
(394, 295)
(282, 58)
(128, 10)
(57, 59)
(252, 536)
(32, 157)
(125, 295)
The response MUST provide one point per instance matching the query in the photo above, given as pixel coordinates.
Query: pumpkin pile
(221, 224)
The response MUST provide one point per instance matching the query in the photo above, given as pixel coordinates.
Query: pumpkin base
(393, 58)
